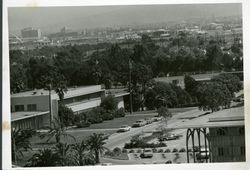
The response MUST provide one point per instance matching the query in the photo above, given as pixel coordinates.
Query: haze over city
(112, 16)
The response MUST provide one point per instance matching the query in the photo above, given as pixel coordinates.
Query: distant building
(31, 34)
(179, 80)
(219, 136)
(63, 34)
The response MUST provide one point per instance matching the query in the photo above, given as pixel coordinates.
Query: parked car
(147, 153)
(124, 128)
(139, 123)
(169, 137)
(202, 154)
(157, 118)
(148, 120)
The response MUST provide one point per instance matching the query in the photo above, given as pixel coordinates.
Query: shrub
(94, 115)
(107, 116)
(120, 112)
(138, 143)
(131, 151)
(109, 153)
(109, 103)
(175, 150)
(167, 150)
(160, 150)
(182, 150)
(154, 150)
(117, 151)
(139, 151)
(82, 124)
(161, 74)
(66, 115)
(169, 162)
(124, 150)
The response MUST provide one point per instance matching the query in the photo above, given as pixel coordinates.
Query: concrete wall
(86, 105)
(232, 142)
(34, 123)
(42, 102)
(120, 102)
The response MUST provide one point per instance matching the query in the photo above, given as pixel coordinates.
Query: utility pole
(50, 86)
(14, 147)
(130, 92)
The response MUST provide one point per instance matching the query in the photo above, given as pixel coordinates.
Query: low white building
(31, 109)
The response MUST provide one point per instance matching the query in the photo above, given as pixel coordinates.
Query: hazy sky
(53, 18)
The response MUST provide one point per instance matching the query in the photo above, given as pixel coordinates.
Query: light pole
(130, 93)
(50, 86)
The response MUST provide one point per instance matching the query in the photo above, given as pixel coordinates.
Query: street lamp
(50, 87)
(130, 93)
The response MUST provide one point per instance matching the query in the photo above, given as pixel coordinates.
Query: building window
(242, 150)
(220, 151)
(241, 131)
(19, 108)
(221, 132)
(31, 107)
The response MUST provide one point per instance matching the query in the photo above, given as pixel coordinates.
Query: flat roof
(26, 114)
(197, 77)
(43, 92)
(118, 92)
(224, 118)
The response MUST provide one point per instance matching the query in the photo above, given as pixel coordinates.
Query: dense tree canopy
(213, 95)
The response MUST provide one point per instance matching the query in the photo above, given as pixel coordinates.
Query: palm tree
(20, 142)
(96, 142)
(81, 154)
(63, 150)
(57, 130)
(44, 158)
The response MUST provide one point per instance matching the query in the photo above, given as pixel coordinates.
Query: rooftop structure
(223, 132)
(31, 33)
(227, 117)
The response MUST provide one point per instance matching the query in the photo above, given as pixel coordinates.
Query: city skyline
(113, 16)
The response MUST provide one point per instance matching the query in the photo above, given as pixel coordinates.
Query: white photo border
(6, 124)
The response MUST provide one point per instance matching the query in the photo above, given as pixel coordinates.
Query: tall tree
(18, 80)
(66, 115)
(190, 84)
(20, 142)
(57, 131)
(96, 145)
(213, 95)
(232, 82)
(44, 158)
(63, 150)
(81, 154)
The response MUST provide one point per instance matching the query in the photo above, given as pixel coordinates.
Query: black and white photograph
(126, 85)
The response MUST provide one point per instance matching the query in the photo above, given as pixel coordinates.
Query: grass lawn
(117, 122)
(130, 119)
(122, 156)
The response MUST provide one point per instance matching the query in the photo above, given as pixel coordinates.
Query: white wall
(86, 105)
(42, 102)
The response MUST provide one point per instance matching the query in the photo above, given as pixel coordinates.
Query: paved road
(119, 139)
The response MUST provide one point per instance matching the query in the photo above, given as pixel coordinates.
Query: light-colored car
(147, 153)
(124, 128)
(139, 123)
(157, 118)
(148, 120)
